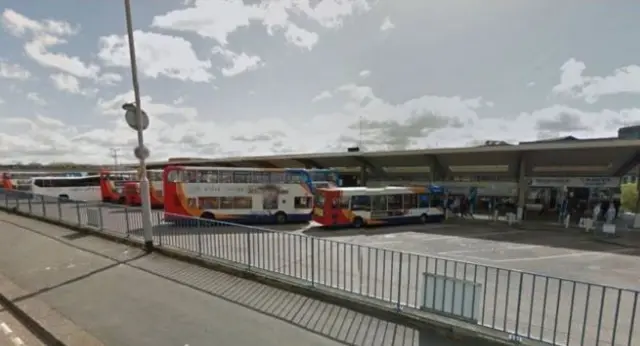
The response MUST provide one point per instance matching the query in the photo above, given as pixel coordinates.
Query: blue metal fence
(527, 305)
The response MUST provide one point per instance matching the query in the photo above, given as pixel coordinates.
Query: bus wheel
(424, 218)
(122, 201)
(63, 198)
(207, 219)
(281, 218)
(358, 222)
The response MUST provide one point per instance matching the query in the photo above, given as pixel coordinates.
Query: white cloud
(157, 55)
(590, 88)
(387, 24)
(13, 71)
(177, 130)
(113, 106)
(44, 35)
(47, 121)
(35, 98)
(300, 37)
(217, 19)
(240, 63)
(19, 25)
(364, 73)
(322, 96)
(69, 83)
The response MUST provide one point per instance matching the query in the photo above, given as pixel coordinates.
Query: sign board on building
(576, 182)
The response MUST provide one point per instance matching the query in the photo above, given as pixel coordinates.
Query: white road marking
(573, 254)
(5, 328)
(420, 237)
(17, 341)
(514, 247)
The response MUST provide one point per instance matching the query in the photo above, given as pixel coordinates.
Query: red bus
(131, 190)
(111, 184)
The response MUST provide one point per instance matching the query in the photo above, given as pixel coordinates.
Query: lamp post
(138, 120)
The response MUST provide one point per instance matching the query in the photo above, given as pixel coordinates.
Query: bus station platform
(91, 291)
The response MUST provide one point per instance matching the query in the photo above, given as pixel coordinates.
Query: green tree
(629, 197)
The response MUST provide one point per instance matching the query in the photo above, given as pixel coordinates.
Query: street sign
(141, 153)
(132, 119)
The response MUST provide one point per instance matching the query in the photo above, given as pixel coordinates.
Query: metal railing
(526, 305)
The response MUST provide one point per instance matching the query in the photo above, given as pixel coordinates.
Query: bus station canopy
(600, 157)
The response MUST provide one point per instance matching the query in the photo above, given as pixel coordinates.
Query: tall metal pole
(144, 180)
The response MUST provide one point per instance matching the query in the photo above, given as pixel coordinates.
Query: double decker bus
(82, 188)
(362, 206)
(325, 177)
(243, 195)
(131, 190)
(111, 185)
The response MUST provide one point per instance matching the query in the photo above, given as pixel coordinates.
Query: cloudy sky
(223, 77)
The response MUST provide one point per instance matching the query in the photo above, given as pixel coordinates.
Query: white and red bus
(131, 190)
(21, 181)
(243, 195)
(362, 206)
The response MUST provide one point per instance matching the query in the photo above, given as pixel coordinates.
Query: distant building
(630, 132)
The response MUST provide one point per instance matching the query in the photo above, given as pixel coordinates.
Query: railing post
(126, 221)
(398, 304)
(44, 206)
(59, 210)
(78, 213)
(249, 250)
(100, 217)
(29, 197)
(313, 262)
(199, 243)
(6, 199)
(160, 230)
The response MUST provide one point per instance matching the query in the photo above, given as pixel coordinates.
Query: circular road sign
(141, 153)
(132, 119)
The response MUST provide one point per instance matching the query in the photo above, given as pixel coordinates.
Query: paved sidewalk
(13, 333)
(121, 296)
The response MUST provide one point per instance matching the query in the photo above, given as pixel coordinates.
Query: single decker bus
(362, 206)
(242, 195)
(83, 188)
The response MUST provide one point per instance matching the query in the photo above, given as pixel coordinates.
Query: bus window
(362, 203)
(302, 202)
(260, 178)
(394, 202)
(379, 203)
(241, 177)
(423, 200)
(277, 177)
(435, 201)
(344, 202)
(409, 201)
(174, 176)
(226, 177)
(319, 201)
(210, 176)
(242, 202)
